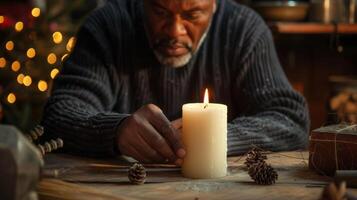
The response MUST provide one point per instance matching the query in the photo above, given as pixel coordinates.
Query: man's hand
(177, 124)
(148, 136)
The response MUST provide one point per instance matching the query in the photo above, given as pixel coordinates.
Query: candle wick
(206, 105)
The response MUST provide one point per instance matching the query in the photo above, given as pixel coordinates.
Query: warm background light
(54, 73)
(31, 52)
(51, 58)
(11, 98)
(9, 45)
(2, 62)
(36, 12)
(20, 78)
(42, 85)
(57, 37)
(64, 57)
(19, 26)
(70, 44)
(27, 80)
(15, 66)
(2, 19)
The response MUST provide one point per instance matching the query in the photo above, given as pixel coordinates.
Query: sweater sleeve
(273, 116)
(80, 107)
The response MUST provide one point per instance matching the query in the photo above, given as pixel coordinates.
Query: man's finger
(164, 126)
(156, 141)
(147, 151)
(177, 124)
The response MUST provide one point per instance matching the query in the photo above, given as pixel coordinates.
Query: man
(136, 62)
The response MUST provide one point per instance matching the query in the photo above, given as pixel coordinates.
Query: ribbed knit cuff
(107, 124)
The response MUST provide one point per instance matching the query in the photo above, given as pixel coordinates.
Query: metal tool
(20, 165)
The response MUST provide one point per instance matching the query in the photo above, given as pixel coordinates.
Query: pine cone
(262, 173)
(137, 174)
(254, 156)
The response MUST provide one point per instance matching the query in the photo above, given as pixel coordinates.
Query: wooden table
(295, 181)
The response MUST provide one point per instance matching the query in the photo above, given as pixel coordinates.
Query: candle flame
(206, 99)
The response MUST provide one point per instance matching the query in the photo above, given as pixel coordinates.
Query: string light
(54, 73)
(51, 58)
(9, 45)
(35, 12)
(64, 57)
(2, 19)
(31, 52)
(27, 80)
(20, 78)
(15, 66)
(2, 62)
(19, 26)
(57, 37)
(11, 98)
(70, 44)
(42, 85)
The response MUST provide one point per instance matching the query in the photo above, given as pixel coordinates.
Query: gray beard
(179, 61)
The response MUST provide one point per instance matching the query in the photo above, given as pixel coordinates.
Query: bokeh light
(9, 45)
(42, 85)
(15, 66)
(51, 58)
(64, 57)
(54, 73)
(20, 78)
(57, 37)
(2, 62)
(19, 26)
(27, 80)
(31, 52)
(11, 98)
(70, 44)
(35, 12)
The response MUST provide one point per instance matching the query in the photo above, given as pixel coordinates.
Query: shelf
(311, 28)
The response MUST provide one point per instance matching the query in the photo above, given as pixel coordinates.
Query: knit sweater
(113, 71)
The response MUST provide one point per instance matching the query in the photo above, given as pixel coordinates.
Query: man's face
(177, 27)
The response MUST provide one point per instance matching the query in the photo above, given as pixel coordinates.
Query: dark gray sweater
(112, 72)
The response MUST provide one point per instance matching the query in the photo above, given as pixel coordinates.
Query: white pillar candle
(204, 135)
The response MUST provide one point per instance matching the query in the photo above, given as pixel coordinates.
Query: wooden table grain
(296, 180)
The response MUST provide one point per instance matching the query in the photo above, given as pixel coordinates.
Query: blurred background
(35, 37)
(316, 41)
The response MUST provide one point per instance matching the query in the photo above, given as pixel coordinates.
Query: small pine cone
(254, 156)
(137, 174)
(262, 173)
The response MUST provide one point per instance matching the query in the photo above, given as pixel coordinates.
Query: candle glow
(206, 98)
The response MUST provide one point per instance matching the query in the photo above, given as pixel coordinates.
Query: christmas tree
(32, 49)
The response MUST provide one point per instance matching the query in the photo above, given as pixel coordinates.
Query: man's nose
(176, 27)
